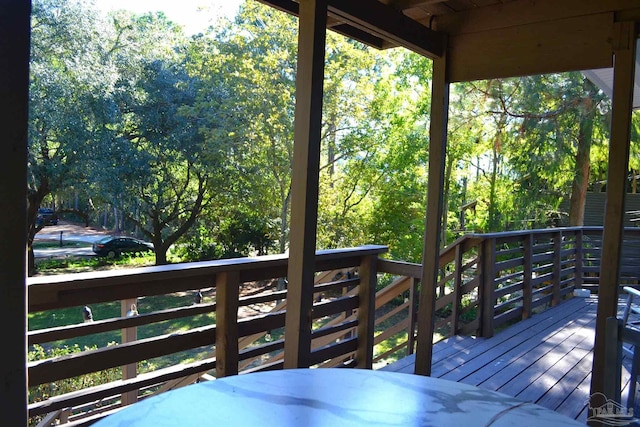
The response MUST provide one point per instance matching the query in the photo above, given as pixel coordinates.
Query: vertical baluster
(457, 294)
(227, 294)
(557, 267)
(413, 315)
(487, 287)
(527, 272)
(129, 335)
(366, 311)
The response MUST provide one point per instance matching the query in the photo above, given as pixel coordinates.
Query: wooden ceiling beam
(628, 15)
(388, 23)
(408, 4)
(335, 24)
(375, 24)
(524, 12)
(360, 35)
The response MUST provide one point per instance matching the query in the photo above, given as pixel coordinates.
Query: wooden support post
(304, 182)
(129, 335)
(487, 286)
(431, 247)
(527, 273)
(623, 82)
(413, 316)
(457, 295)
(557, 267)
(15, 24)
(613, 359)
(227, 295)
(579, 260)
(366, 311)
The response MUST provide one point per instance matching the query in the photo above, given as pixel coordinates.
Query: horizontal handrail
(485, 282)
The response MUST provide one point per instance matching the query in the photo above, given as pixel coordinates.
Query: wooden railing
(229, 331)
(237, 326)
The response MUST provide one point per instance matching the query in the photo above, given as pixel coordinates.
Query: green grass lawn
(73, 315)
(52, 244)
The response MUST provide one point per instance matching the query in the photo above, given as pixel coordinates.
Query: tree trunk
(161, 254)
(583, 161)
(493, 221)
(34, 200)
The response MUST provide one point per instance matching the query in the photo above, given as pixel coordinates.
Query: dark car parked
(46, 216)
(114, 246)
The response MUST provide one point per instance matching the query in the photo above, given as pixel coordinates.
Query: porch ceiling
(487, 38)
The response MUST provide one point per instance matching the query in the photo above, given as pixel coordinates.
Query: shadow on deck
(545, 359)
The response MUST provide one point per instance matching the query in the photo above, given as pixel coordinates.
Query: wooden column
(227, 295)
(129, 307)
(487, 286)
(557, 268)
(623, 81)
(304, 181)
(431, 247)
(366, 311)
(14, 85)
(577, 275)
(413, 316)
(456, 307)
(613, 357)
(527, 273)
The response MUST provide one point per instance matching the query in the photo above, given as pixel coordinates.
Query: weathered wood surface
(545, 359)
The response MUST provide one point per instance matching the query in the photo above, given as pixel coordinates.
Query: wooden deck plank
(543, 382)
(443, 350)
(541, 357)
(524, 327)
(496, 372)
(568, 396)
(459, 367)
(546, 359)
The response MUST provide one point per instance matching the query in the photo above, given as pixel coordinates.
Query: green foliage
(44, 392)
(245, 233)
(238, 234)
(199, 245)
(189, 140)
(75, 264)
(516, 142)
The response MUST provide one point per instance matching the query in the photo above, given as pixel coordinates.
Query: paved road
(70, 233)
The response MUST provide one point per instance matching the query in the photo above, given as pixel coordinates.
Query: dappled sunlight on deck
(546, 359)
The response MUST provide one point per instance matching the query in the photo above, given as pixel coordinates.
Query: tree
(534, 144)
(257, 58)
(68, 100)
(164, 163)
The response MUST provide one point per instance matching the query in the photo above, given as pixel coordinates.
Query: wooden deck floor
(545, 359)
